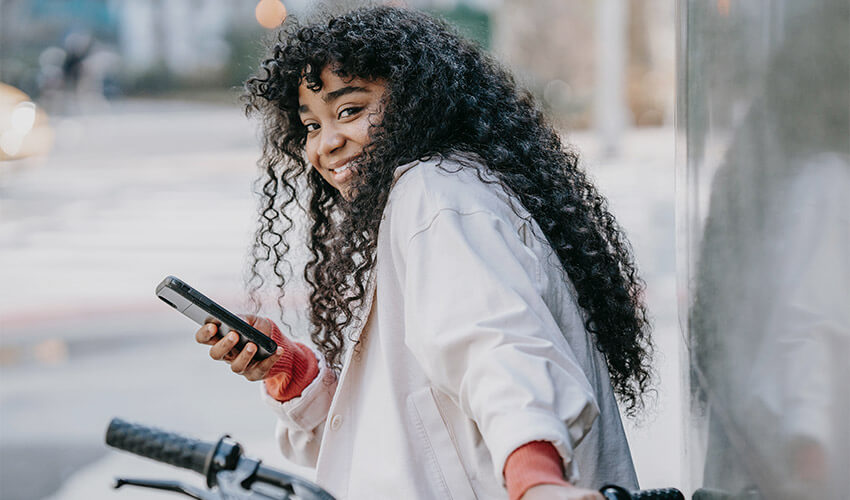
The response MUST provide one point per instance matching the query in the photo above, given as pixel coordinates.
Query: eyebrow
(336, 94)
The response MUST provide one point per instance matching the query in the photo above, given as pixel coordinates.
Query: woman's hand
(241, 363)
(557, 492)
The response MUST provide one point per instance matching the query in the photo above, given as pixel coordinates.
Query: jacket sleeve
(477, 322)
(300, 421)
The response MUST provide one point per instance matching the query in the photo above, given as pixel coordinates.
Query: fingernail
(250, 348)
(210, 328)
(279, 350)
(231, 336)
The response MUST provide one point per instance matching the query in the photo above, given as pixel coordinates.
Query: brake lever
(227, 488)
(237, 483)
(175, 486)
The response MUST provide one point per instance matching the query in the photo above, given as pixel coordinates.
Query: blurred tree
(473, 23)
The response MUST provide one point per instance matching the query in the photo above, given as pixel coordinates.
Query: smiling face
(338, 118)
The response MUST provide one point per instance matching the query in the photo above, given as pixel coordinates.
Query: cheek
(362, 132)
(311, 154)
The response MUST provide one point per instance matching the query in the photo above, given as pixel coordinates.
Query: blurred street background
(125, 157)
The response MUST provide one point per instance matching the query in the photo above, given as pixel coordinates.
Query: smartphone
(196, 306)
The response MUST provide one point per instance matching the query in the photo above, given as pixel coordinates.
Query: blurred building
(155, 43)
(186, 36)
(558, 49)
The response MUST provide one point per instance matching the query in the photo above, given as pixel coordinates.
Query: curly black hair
(444, 96)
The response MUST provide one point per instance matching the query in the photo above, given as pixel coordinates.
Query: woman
(474, 304)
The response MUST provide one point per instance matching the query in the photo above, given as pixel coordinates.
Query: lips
(341, 169)
(342, 166)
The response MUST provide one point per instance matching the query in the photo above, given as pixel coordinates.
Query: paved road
(152, 189)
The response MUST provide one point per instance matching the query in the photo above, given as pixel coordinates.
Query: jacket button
(336, 422)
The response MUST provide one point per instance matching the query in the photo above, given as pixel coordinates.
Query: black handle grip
(614, 492)
(161, 446)
(659, 494)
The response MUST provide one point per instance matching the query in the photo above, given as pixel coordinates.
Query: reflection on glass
(767, 207)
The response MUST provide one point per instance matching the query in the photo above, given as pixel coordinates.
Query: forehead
(332, 84)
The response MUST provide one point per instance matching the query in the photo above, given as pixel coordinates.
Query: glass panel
(764, 228)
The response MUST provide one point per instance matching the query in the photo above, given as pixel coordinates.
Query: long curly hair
(444, 96)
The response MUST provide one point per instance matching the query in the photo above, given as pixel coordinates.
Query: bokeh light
(24, 130)
(23, 117)
(270, 13)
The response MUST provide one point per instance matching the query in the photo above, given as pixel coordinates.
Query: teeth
(341, 169)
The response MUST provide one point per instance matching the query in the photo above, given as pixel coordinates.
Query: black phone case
(198, 307)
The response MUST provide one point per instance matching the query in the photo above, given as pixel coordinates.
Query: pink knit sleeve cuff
(293, 371)
(534, 463)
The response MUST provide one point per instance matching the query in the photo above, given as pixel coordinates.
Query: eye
(311, 127)
(351, 111)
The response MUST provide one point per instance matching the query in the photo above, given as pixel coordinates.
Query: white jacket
(474, 346)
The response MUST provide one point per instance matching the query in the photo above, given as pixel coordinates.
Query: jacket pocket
(440, 451)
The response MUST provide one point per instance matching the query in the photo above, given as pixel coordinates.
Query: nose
(331, 140)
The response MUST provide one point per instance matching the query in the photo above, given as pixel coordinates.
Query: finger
(260, 369)
(223, 346)
(207, 334)
(241, 361)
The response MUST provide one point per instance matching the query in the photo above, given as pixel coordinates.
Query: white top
(474, 346)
